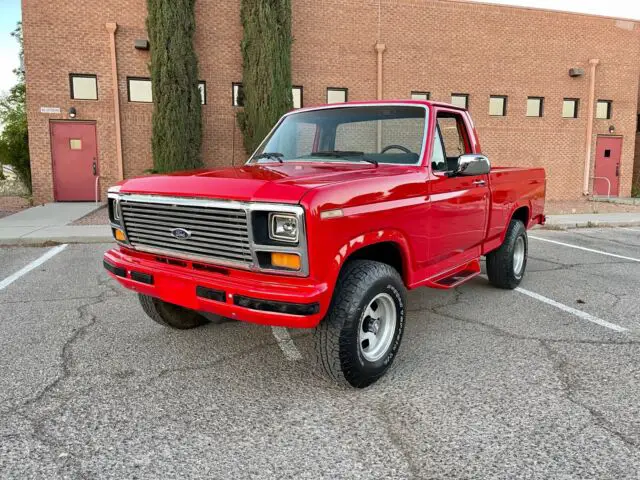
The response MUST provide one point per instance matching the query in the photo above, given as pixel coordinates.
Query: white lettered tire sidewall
(387, 359)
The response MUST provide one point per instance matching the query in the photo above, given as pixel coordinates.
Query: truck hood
(278, 183)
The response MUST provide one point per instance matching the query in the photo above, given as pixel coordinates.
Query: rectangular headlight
(283, 227)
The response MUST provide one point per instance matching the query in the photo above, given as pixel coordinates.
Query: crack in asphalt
(569, 388)
(397, 440)
(558, 363)
(611, 240)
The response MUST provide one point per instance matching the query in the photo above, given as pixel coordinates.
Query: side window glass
(438, 160)
(453, 141)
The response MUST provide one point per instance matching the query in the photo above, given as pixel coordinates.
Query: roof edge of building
(541, 9)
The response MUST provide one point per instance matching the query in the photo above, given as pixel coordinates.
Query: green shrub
(266, 67)
(177, 122)
(14, 139)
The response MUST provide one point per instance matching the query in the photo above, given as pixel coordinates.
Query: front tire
(359, 338)
(506, 264)
(170, 315)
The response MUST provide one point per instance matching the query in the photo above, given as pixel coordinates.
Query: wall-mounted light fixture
(141, 44)
(576, 72)
(72, 112)
(612, 128)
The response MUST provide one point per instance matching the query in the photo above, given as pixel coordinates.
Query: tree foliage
(177, 123)
(266, 67)
(14, 139)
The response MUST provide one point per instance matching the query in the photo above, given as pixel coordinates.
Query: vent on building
(141, 44)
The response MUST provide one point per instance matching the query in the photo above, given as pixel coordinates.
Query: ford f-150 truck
(339, 212)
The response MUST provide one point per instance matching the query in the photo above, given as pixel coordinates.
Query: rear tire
(506, 264)
(359, 338)
(170, 315)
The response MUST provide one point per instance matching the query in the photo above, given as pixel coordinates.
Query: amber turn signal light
(119, 234)
(285, 260)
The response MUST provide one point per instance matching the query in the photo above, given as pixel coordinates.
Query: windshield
(372, 133)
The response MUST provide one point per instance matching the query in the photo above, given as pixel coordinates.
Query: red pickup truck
(339, 212)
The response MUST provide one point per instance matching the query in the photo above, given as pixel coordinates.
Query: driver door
(459, 205)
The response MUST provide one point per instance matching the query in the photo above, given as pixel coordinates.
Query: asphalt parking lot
(543, 382)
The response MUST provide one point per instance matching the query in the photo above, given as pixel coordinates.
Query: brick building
(510, 65)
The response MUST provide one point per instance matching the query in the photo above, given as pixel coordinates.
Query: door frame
(53, 122)
(595, 161)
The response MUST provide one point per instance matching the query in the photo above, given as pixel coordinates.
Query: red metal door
(74, 155)
(607, 173)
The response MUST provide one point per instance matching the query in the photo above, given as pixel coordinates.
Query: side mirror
(472, 164)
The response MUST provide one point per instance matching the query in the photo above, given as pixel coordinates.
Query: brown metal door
(607, 174)
(74, 155)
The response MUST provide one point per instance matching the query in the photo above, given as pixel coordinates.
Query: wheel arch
(389, 247)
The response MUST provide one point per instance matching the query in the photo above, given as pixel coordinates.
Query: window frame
(609, 109)
(83, 75)
(540, 109)
(504, 99)
(233, 94)
(203, 98)
(576, 103)
(420, 92)
(466, 100)
(464, 132)
(345, 90)
(301, 88)
(129, 89)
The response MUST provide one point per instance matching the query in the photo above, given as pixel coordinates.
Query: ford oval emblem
(181, 233)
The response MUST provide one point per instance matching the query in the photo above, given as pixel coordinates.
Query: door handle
(617, 169)
(479, 183)
(95, 169)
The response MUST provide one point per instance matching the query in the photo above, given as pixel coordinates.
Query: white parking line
(35, 264)
(286, 343)
(600, 252)
(574, 311)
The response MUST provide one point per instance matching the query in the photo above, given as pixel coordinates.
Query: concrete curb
(40, 241)
(588, 224)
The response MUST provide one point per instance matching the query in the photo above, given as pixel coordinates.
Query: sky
(10, 14)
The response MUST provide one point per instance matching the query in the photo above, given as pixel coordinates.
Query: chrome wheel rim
(377, 327)
(518, 256)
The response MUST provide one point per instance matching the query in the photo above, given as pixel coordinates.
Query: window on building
(535, 106)
(497, 105)
(460, 100)
(296, 93)
(202, 86)
(237, 94)
(337, 95)
(570, 108)
(83, 86)
(603, 109)
(420, 95)
(139, 89)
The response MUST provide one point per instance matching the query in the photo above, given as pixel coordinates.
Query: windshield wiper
(344, 154)
(271, 156)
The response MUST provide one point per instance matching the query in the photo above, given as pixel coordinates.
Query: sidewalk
(579, 220)
(51, 223)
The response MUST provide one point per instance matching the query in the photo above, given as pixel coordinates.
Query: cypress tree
(266, 67)
(177, 123)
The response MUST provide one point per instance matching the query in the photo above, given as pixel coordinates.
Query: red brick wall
(436, 46)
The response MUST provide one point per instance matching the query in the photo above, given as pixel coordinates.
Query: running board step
(457, 276)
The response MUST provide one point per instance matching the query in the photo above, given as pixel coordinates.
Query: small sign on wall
(49, 109)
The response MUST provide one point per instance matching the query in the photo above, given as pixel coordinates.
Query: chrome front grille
(213, 232)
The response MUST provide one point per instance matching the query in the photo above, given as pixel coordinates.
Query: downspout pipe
(380, 48)
(593, 63)
(111, 28)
